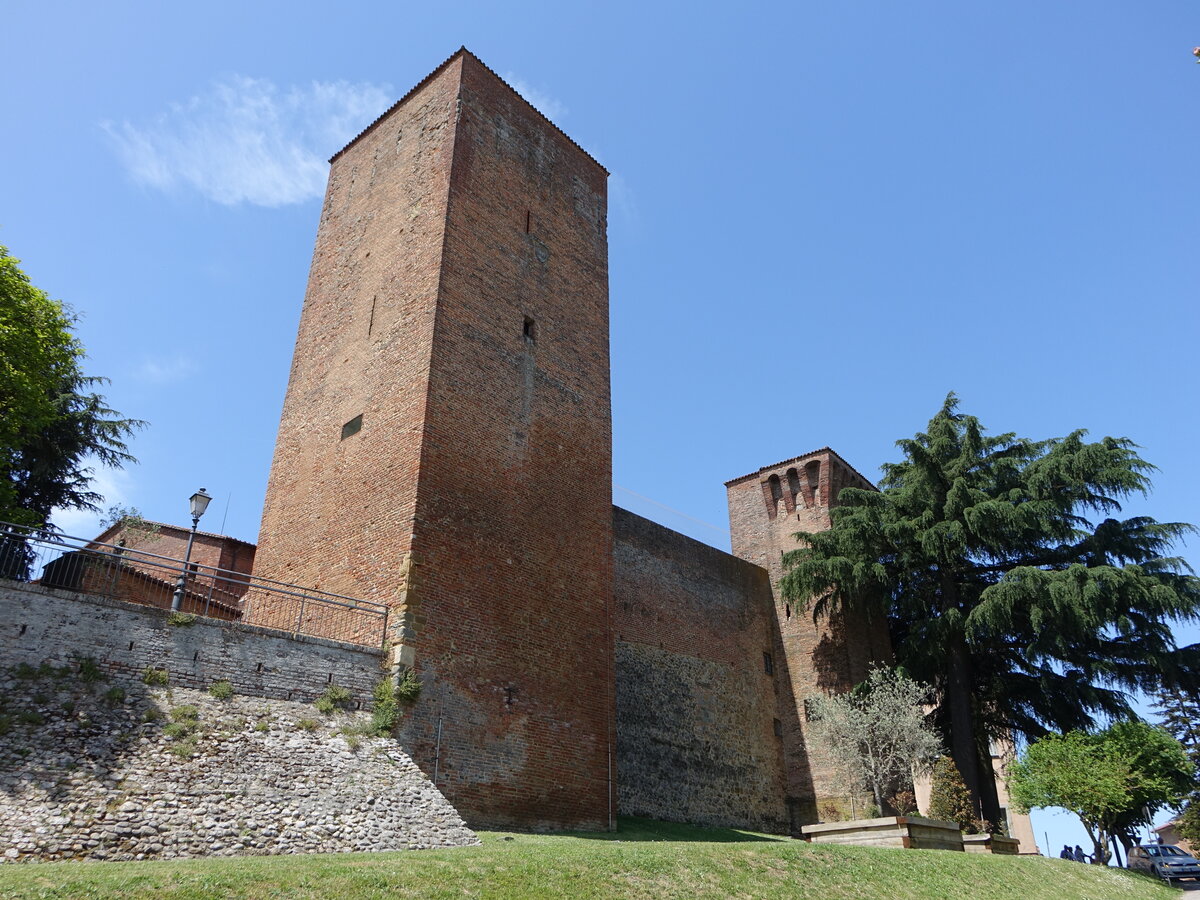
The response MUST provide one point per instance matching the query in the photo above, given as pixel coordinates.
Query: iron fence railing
(32, 559)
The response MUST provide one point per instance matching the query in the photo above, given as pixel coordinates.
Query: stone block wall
(60, 627)
(696, 722)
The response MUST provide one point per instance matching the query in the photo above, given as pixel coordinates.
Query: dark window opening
(530, 330)
(768, 663)
(787, 610)
(509, 695)
(528, 221)
(778, 728)
(354, 426)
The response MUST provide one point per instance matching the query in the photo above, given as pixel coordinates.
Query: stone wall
(696, 729)
(95, 767)
(59, 628)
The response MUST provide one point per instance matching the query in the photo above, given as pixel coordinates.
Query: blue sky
(823, 217)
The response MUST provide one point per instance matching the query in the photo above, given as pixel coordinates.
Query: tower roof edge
(464, 52)
(785, 462)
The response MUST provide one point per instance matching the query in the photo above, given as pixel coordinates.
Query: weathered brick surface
(695, 704)
(766, 509)
(458, 302)
(59, 628)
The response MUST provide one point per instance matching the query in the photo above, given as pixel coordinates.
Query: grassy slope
(643, 859)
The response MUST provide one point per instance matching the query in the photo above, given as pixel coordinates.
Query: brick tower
(766, 509)
(446, 440)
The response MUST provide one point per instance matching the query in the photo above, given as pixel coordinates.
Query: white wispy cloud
(548, 106)
(113, 485)
(165, 371)
(623, 202)
(246, 140)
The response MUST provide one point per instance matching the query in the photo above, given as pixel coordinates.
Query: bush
(184, 748)
(904, 802)
(949, 799)
(155, 677)
(115, 695)
(181, 619)
(30, 717)
(335, 697)
(386, 714)
(308, 724)
(222, 689)
(89, 672)
(409, 688)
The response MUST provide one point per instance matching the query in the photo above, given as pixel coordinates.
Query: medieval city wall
(59, 628)
(696, 728)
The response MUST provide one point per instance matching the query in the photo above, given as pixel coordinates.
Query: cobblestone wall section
(58, 628)
(98, 769)
(696, 738)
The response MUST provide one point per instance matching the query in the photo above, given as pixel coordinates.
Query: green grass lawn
(642, 859)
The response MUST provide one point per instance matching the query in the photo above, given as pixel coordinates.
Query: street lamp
(199, 501)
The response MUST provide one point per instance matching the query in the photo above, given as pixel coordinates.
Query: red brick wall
(339, 512)
(483, 453)
(695, 704)
(829, 656)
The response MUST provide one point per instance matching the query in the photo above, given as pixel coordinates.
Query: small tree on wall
(878, 733)
(949, 799)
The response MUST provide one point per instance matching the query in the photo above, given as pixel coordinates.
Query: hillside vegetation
(641, 860)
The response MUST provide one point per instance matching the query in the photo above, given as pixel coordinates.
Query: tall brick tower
(446, 441)
(766, 509)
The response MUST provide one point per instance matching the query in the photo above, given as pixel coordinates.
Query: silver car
(1166, 861)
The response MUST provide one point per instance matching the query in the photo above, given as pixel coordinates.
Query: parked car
(1166, 861)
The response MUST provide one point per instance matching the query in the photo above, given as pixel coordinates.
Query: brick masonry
(695, 703)
(458, 303)
(125, 639)
(831, 655)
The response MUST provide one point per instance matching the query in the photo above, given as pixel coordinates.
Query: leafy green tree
(878, 732)
(1079, 774)
(1008, 588)
(52, 423)
(949, 799)
(1109, 779)
(1163, 773)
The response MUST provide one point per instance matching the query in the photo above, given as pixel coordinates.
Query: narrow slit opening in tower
(530, 330)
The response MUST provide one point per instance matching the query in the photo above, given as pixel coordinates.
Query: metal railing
(31, 559)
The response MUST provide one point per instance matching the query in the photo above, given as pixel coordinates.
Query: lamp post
(199, 501)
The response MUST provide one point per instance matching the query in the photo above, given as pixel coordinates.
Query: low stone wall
(59, 627)
(991, 843)
(908, 832)
(109, 768)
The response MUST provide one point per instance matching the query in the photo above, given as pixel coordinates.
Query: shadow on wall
(633, 828)
(829, 657)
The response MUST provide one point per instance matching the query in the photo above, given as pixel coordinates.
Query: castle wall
(826, 656)
(125, 639)
(696, 735)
